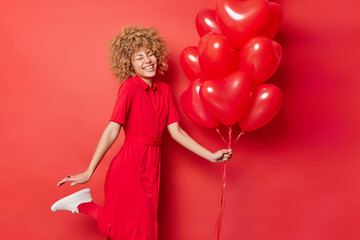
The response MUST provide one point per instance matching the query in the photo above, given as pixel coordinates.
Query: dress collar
(145, 85)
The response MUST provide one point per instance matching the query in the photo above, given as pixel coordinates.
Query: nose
(147, 59)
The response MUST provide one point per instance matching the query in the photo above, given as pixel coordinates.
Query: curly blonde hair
(130, 40)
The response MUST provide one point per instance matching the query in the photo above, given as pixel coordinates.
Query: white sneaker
(71, 202)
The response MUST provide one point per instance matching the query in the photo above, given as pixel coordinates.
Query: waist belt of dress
(146, 141)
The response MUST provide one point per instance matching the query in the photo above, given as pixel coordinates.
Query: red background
(296, 178)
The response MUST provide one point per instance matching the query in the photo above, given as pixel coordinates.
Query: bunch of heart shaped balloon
(233, 59)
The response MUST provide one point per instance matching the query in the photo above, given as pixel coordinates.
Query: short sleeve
(173, 115)
(123, 103)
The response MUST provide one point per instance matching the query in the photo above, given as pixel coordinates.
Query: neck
(147, 80)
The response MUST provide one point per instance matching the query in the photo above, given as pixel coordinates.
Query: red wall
(296, 178)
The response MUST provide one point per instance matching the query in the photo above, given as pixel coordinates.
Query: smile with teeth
(149, 68)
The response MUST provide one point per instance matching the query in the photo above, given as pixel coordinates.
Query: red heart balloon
(273, 25)
(206, 22)
(227, 98)
(189, 61)
(265, 104)
(241, 20)
(193, 107)
(260, 57)
(217, 56)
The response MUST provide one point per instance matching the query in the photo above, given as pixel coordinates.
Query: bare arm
(180, 136)
(107, 138)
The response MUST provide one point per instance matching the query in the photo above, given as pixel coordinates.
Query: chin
(149, 75)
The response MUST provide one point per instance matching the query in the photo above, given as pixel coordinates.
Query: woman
(144, 107)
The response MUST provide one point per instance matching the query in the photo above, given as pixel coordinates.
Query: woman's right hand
(77, 179)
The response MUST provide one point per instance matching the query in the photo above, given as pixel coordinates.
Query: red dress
(133, 178)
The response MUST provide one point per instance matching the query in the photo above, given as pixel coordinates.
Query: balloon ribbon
(222, 199)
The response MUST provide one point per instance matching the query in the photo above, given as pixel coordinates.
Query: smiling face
(144, 64)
